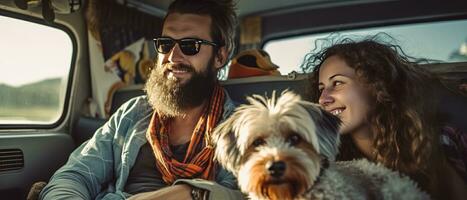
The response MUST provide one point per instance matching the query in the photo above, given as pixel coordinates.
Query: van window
(444, 41)
(35, 62)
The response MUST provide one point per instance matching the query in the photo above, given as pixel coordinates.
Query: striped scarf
(198, 161)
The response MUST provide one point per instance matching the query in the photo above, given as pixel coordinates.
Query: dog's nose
(276, 168)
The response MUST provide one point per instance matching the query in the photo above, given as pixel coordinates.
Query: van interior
(69, 64)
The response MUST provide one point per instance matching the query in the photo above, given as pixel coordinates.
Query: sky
(31, 52)
(430, 40)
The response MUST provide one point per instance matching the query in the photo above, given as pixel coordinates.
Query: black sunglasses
(189, 46)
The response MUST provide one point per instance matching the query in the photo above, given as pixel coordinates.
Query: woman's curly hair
(403, 114)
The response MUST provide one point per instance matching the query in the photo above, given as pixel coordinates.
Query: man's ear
(221, 57)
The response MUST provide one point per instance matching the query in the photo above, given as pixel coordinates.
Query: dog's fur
(279, 149)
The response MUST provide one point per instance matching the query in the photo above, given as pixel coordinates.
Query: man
(158, 147)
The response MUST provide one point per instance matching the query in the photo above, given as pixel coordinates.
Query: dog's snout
(276, 168)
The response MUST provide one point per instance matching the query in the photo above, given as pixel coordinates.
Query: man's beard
(171, 98)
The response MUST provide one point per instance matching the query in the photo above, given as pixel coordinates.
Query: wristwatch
(199, 194)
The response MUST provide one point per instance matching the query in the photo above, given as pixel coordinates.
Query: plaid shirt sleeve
(454, 144)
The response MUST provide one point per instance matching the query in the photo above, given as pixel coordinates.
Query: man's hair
(223, 16)
(403, 114)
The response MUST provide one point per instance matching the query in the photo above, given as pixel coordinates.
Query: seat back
(453, 107)
(452, 103)
(238, 89)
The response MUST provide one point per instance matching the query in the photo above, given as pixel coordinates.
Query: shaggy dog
(285, 148)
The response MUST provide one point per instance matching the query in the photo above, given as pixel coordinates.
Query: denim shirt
(99, 168)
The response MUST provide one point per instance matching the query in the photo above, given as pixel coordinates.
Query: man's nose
(176, 55)
(325, 98)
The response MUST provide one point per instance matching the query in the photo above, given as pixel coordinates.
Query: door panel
(43, 154)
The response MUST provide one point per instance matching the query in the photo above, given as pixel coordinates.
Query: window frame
(336, 28)
(69, 84)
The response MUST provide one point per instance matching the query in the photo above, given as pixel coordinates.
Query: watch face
(199, 194)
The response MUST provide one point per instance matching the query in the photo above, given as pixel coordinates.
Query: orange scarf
(198, 161)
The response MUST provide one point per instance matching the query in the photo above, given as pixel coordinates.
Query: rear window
(444, 41)
(35, 61)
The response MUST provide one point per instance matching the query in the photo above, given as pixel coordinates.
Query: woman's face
(342, 95)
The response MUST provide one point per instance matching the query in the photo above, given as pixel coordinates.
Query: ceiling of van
(245, 7)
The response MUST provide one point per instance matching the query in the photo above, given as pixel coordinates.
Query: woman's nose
(325, 98)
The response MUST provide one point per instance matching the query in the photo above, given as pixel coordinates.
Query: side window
(35, 63)
(444, 41)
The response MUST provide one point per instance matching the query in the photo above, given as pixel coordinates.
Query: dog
(285, 148)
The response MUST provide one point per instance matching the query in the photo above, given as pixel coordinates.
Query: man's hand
(174, 192)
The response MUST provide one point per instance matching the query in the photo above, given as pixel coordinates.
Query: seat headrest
(252, 62)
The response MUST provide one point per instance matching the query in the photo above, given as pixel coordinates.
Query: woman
(386, 105)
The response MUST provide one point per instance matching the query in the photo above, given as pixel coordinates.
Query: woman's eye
(293, 139)
(258, 142)
(337, 83)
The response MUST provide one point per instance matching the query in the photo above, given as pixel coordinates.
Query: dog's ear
(226, 150)
(327, 131)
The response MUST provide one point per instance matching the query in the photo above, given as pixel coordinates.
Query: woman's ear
(221, 57)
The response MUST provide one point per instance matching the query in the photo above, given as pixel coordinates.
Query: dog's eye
(258, 142)
(293, 139)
